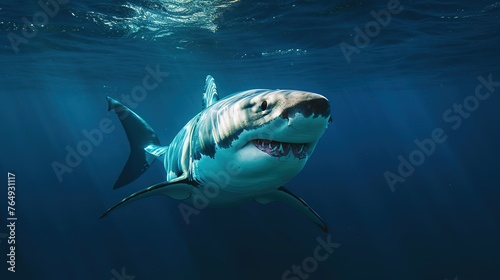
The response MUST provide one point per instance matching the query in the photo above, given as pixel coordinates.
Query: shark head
(264, 131)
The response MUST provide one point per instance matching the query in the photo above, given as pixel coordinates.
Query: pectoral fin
(180, 190)
(290, 199)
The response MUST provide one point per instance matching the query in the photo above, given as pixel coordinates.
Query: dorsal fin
(210, 95)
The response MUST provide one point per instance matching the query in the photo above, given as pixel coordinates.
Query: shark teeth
(301, 148)
(280, 149)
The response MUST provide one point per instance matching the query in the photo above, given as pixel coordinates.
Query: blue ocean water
(405, 176)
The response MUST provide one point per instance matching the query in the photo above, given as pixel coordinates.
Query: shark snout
(318, 106)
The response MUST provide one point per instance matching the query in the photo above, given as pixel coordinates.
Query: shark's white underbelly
(230, 180)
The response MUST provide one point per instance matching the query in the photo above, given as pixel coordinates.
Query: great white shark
(243, 147)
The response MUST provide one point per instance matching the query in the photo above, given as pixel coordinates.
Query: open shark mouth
(281, 149)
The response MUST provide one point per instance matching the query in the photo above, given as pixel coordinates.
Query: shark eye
(263, 106)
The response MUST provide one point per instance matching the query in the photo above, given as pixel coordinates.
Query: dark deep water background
(442, 222)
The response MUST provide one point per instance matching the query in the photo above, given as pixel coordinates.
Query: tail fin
(140, 135)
